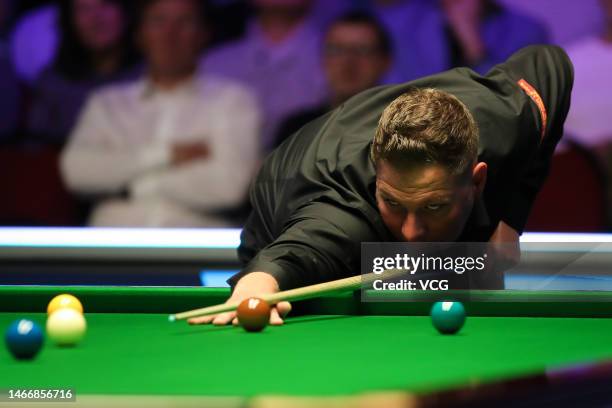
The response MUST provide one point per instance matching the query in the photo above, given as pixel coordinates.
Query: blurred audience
(6, 14)
(432, 36)
(324, 11)
(356, 56)
(37, 34)
(175, 140)
(34, 41)
(181, 146)
(10, 93)
(589, 120)
(278, 58)
(96, 49)
(590, 117)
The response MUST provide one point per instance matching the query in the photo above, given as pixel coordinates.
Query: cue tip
(172, 318)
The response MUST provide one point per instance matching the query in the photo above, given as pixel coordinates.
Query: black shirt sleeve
(544, 75)
(320, 242)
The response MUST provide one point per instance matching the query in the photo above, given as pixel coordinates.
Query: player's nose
(413, 229)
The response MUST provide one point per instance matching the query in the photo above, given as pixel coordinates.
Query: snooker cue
(306, 292)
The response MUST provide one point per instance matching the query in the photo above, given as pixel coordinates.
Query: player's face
(426, 203)
(172, 36)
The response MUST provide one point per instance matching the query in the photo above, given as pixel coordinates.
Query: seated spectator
(589, 119)
(180, 147)
(10, 98)
(356, 56)
(6, 16)
(96, 49)
(10, 95)
(278, 58)
(434, 36)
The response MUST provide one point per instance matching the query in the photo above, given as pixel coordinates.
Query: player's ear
(479, 177)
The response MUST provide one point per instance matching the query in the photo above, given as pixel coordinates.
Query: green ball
(448, 317)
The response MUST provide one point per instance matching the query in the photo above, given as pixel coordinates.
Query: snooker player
(451, 157)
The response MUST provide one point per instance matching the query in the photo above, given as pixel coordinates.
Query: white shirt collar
(146, 89)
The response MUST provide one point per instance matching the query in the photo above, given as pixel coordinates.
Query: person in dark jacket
(451, 157)
(356, 55)
(97, 48)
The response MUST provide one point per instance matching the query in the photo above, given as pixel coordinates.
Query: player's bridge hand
(255, 284)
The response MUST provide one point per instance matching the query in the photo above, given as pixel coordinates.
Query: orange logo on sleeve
(535, 97)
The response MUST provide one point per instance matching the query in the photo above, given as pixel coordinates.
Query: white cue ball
(66, 327)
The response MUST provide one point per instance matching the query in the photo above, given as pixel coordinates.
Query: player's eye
(434, 206)
(391, 203)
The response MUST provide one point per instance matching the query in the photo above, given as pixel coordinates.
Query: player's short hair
(426, 125)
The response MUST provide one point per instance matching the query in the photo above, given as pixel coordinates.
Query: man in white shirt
(181, 145)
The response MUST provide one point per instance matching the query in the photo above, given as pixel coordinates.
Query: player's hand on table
(254, 284)
(505, 242)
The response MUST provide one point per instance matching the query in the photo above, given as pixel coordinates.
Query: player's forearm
(505, 233)
(506, 241)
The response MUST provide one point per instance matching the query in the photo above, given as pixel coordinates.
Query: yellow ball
(66, 327)
(64, 301)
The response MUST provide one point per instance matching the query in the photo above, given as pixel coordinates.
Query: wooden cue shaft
(305, 292)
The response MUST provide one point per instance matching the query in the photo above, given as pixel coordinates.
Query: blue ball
(448, 317)
(24, 339)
